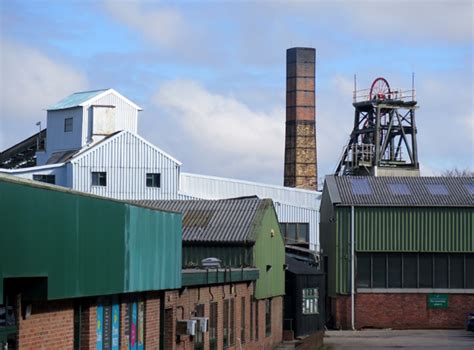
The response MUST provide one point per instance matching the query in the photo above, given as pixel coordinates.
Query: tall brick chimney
(300, 139)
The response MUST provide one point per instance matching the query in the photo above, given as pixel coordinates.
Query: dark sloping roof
(224, 221)
(61, 157)
(401, 191)
(23, 154)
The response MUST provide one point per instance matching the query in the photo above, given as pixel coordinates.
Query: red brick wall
(183, 305)
(401, 311)
(50, 326)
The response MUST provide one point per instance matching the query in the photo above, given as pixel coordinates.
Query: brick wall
(182, 305)
(401, 311)
(50, 326)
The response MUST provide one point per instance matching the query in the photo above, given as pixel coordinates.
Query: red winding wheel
(380, 89)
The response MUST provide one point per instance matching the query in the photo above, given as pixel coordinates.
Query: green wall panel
(269, 250)
(85, 245)
(231, 255)
(396, 229)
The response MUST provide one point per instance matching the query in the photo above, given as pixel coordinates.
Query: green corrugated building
(413, 239)
(240, 232)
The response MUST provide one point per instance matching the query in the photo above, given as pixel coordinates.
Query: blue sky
(211, 75)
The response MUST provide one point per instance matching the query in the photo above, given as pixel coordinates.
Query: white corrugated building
(293, 205)
(92, 146)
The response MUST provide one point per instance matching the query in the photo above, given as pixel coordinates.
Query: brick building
(87, 272)
(399, 251)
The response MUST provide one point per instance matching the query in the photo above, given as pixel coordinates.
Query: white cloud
(29, 82)
(222, 130)
(164, 26)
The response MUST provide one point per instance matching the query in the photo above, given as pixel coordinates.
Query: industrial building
(399, 251)
(89, 272)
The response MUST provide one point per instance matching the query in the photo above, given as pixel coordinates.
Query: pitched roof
(401, 191)
(87, 97)
(76, 99)
(223, 221)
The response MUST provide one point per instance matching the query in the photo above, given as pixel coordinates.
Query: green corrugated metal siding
(85, 245)
(342, 249)
(414, 229)
(394, 229)
(231, 255)
(269, 251)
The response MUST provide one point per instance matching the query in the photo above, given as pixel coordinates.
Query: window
(470, 188)
(257, 328)
(213, 326)
(437, 189)
(268, 317)
(441, 270)
(415, 270)
(399, 188)
(49, 179)
(232, 323)
(226, 324)
(361, 186)
(68, 125)
(426, 271)
(310, 301)
(394, 271)
(363, 270)
(410, 270)
(379, 270)
(153, 180)
(252, 307)
(295, 232)
(199, 337)
(99, 178)
(242, 320)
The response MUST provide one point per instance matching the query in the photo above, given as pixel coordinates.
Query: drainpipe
(352, 271)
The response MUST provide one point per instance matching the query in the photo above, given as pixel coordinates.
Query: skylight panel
(361, 186)
(470, 188)
(399, 188)
(437, 189)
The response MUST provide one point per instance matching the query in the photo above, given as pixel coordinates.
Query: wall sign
(115, 326)
(438, 301)
(99, 327)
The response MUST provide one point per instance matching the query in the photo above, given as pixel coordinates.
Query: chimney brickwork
(300, 139)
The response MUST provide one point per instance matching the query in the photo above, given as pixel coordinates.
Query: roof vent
(211, 263)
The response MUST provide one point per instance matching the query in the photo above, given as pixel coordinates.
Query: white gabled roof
(84, 98)
(86, 150)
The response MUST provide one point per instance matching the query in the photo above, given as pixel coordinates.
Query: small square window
(310, 301)
(361, 186)
(153, 180)
(68, 125)
(470, 188)
(99, 178)
(437, 189)
(399, 188)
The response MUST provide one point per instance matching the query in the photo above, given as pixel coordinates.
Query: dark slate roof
(224, 221)
(301, 267)
(401, 191)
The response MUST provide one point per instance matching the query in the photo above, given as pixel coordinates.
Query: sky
(210, 75)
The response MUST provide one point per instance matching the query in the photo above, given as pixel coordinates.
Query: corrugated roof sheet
(76, 99)
(61, 157)
(401, 191)
(224, 221)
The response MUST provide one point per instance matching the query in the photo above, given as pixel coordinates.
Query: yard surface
(399, 339)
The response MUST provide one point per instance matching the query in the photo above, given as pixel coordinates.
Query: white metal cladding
(126, 115)
(57, 138)
(59, 172)
(291, 204)
(291, 213)
(126, 158)
(210, 187)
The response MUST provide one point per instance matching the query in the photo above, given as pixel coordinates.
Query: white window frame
(310, 299)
